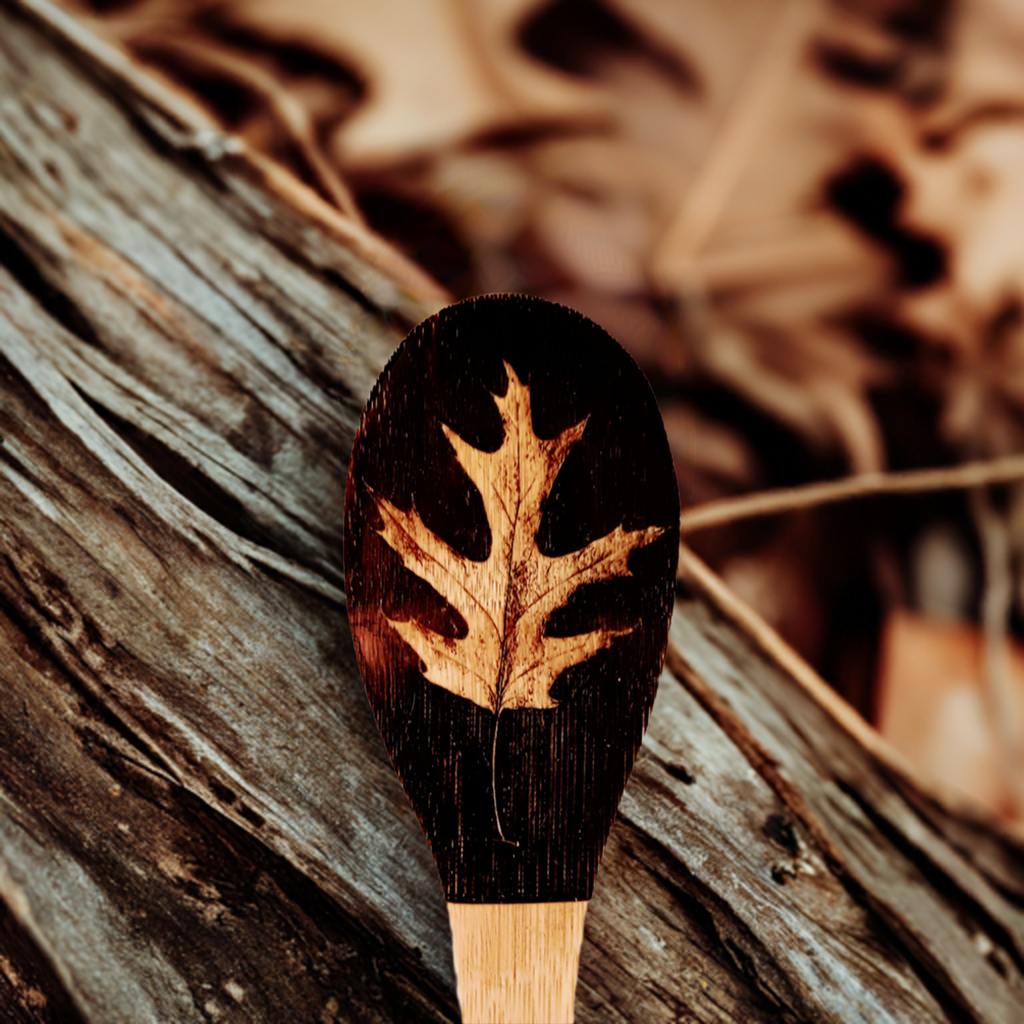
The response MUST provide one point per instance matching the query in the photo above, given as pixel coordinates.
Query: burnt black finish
(560, 772)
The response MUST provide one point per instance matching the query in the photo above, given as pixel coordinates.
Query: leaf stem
(494, 774)
(494, 779)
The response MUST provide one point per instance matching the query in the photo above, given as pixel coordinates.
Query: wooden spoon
(511, 536)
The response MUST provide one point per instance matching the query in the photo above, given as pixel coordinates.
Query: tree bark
(198, 821)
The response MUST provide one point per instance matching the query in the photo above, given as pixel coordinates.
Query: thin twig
(997, 678)
(865, 485)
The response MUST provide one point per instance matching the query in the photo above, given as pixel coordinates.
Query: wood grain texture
(517, 962)
(511, 541)
(198, 821)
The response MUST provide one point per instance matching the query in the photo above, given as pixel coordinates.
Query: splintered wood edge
(516, 963)
(694, 573)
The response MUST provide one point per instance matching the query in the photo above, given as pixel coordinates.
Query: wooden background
(198, 821)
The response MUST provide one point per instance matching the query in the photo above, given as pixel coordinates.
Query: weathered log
(198, 821)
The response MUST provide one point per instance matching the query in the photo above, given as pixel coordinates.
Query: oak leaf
(505, 661)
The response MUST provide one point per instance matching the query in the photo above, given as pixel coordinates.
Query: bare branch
(864, 485)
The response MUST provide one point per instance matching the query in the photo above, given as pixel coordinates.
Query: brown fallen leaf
(505, 661)
(439, 74)
(562, 144)
(933, 704)
(970, 196)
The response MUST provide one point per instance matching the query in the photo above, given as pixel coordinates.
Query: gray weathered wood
(197, 818)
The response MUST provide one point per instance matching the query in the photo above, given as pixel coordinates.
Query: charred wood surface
(198, 821)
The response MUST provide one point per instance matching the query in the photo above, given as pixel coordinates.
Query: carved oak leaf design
(505, 661)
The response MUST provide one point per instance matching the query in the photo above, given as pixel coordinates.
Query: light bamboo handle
(516, 963)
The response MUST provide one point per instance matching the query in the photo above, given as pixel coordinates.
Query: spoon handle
(516, 963)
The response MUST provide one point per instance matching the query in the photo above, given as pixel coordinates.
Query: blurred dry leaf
(632, 150)
(970, 194)
(933, 708)
(437, 73)
(704, 448)
(964, 166)
(984, 73)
